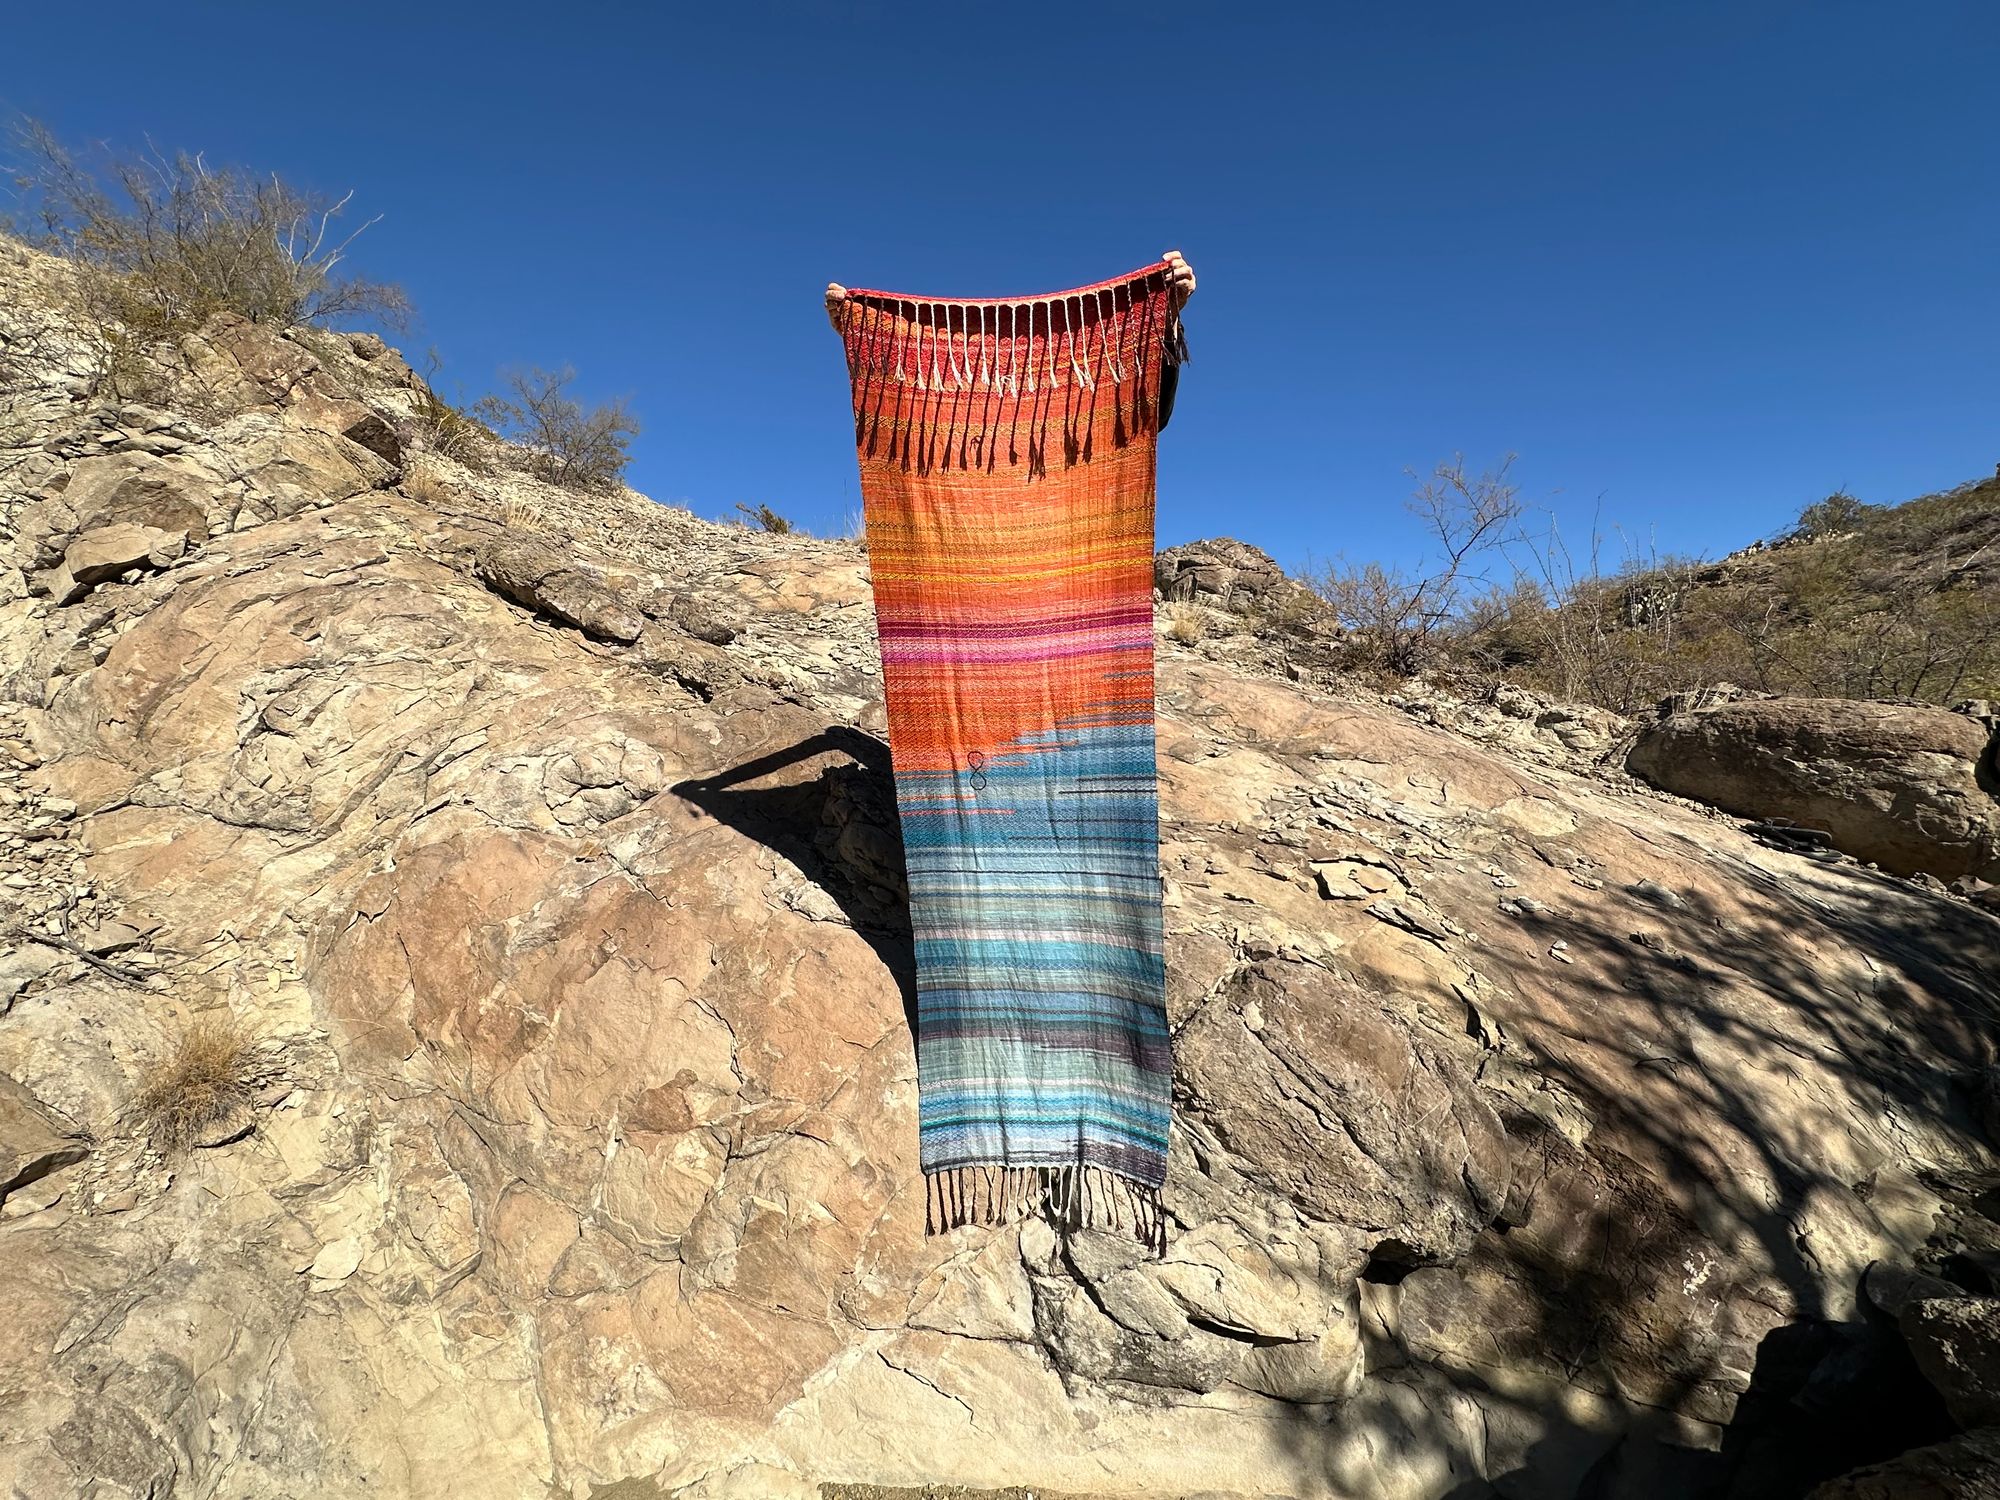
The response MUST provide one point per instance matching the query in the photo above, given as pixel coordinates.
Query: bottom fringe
(1070, 1198)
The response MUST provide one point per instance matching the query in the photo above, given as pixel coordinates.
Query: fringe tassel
(946, 377)
(1071, 1199)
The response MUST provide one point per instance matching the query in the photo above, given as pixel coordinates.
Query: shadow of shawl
(840, 828)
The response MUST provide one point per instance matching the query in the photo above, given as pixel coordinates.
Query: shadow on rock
(1766, 1382)
(839, 828)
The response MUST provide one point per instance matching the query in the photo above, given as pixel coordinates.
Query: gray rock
(1892, 1289)
(105, 552)
(701, 620)
(543, 580)
(117, 488)
(1326, 1096)
(1964, 1468)
(1220, 571)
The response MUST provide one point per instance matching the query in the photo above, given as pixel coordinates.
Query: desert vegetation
(568, 443)
(1850, 601)
(761, 517)
(157, 243)
(197, 1087)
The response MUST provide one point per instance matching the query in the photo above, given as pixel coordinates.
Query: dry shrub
(1401, 622)
(197, 1087)
(159, 243)
(1858, 601)
(1186, 626)
(765, 519)
(522, 516)
(442, 427)
(425, 485)
(583, 448)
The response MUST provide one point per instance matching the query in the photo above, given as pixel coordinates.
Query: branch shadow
(1686, 1021)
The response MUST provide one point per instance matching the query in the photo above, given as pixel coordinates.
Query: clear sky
(1698, 263)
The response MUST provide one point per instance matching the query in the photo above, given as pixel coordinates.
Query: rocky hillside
(1861, 601)
(1534, 1129)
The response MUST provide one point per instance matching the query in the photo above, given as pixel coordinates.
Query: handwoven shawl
(1007, 466)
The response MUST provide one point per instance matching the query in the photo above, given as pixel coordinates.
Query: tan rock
(1901, 785)
(34, 1139)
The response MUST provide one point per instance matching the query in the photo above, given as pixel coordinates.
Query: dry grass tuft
(1187, 626)
(425, 485)
(199, 1086)
(522, 516)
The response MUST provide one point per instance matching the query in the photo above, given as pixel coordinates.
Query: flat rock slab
(34, 1139)
(105, 552)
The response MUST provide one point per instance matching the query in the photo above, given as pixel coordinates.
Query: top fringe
(978, 383)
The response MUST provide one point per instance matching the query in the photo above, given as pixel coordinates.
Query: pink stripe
(1039, 651)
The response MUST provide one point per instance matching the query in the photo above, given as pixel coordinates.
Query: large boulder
(1905, 786)
(543, 580)
(105, 552)
(169, 495)
(1217, 570)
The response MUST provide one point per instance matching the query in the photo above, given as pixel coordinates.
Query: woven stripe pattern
(1007, 454)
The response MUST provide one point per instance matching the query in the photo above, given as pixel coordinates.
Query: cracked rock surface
(545, 844)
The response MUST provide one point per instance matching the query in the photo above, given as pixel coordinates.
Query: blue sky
(1698, 264)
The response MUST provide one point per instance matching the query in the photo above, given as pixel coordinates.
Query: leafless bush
(1399, 621)
(442, 427)
(1587, 632)
(1825, 629)
(1867, 601)
(158, 243)
(568, 444)
(1880, 603)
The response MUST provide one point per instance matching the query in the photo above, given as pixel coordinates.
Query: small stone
(335, 1262)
